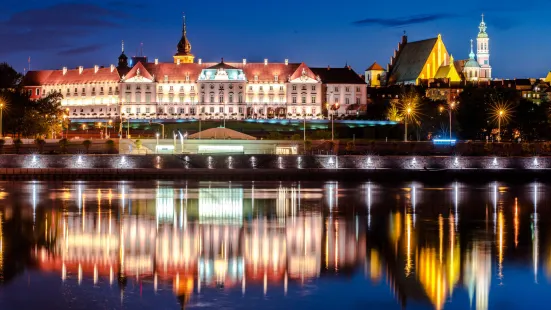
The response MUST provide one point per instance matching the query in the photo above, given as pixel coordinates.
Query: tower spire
(183, 54)
(184, 27)
(471, 55)
(122, 46)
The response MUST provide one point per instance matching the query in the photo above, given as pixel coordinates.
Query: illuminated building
(428, 60)
(375, 75)
(189, 89)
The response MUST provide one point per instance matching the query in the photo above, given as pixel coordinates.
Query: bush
(87, 144)
(17, 145)
(110, 146)
(40, 143)
(63, 144)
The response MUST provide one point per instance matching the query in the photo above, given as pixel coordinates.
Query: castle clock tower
(483, 52)
(184, 55)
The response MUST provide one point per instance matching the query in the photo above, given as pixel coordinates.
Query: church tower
(483, 52)
(184, 55)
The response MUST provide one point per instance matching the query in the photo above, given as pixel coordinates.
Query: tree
(87, 144)
(9, 78)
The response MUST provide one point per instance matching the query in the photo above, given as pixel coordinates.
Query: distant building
(375, 75)
(424, 61)
(186, 89)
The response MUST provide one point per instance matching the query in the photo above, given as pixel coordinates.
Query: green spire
(471, 55)
(482, 29)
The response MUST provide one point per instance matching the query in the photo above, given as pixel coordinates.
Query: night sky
(319, 32)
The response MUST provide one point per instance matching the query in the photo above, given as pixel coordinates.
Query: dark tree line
(23, 117)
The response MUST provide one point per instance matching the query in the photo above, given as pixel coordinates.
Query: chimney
(244, 61)
(156, 61)
(200, 61)
(96, 68)
(112, 68)
(64, 70)
(286, 62)
(178, 61)
(265, 62)
(80, 69)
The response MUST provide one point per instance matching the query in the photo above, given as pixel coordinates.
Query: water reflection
(277, 239)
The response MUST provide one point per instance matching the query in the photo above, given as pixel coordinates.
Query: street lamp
(1, 110)
(499, 116)
(451, 107)
(408, 113)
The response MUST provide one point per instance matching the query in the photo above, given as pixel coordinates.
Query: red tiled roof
(375, 66)
(87, 76)
(36, 78)
(174, 72)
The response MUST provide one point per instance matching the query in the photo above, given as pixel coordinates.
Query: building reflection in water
(222, 235)
(212, 236)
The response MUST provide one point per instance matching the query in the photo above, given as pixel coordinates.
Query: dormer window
(256, 78)
(276, 78)
(166, 78)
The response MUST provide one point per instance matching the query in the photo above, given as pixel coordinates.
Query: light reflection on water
(170, 245)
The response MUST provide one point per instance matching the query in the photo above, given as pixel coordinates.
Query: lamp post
(1, 110)
(304, 126)
(408, 112)
(500, 115)
(110, 124)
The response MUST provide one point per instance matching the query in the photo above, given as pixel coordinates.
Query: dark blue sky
(319, 32)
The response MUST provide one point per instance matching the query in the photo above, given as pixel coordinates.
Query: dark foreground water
(172, 245)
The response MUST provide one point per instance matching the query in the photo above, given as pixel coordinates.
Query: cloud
(402, 21)
(55, 27)
(81, 50)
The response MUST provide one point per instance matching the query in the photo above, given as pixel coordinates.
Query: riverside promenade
(271, 167)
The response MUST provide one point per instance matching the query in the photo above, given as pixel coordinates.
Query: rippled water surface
(209, 245)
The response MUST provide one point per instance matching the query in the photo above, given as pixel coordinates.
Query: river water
(274, 245)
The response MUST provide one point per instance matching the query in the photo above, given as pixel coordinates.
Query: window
(313, 111)
(192, 111)
(171, 88)
(336, 89)
(146, 87)
(138, 110)
(93, 89)
(313, 99)
(240, 110)
(347, 100)
(231, 98)
(160, 89)
(128, 98)
(160, 98)
(281, 99)
(192, 88)
(294, 99)
(138, 98)
(280, 88)
(313, 87)
(202, 109)
(83, 90)
(358, 100)
(38, 92)
(261, 88)
(303, 87)
(250, 88)
(181, 88)
(303, 99)
(171, 98)
(76, 90)
(240, 98)
(294, 87)
(202, 98)
(211, 98)
(221, 109)
(276, 78)
(192, 98)
(230, 110)
(147, 110)
(127, 87)
(485, 62)
(127, 110)
(256, 78)
(138, 87)
(221, 98)
(271, 98)
(181, 99)
(347, 89)
(271, 88)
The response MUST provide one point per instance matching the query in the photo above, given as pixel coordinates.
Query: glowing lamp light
(414, 161)
(456, 162)
(536, 163)
(280, 162)
(369, 162)
(253, 162)
(34, 159)
(494, 162)
(123, 160)
(230, 162)
(209, 162)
